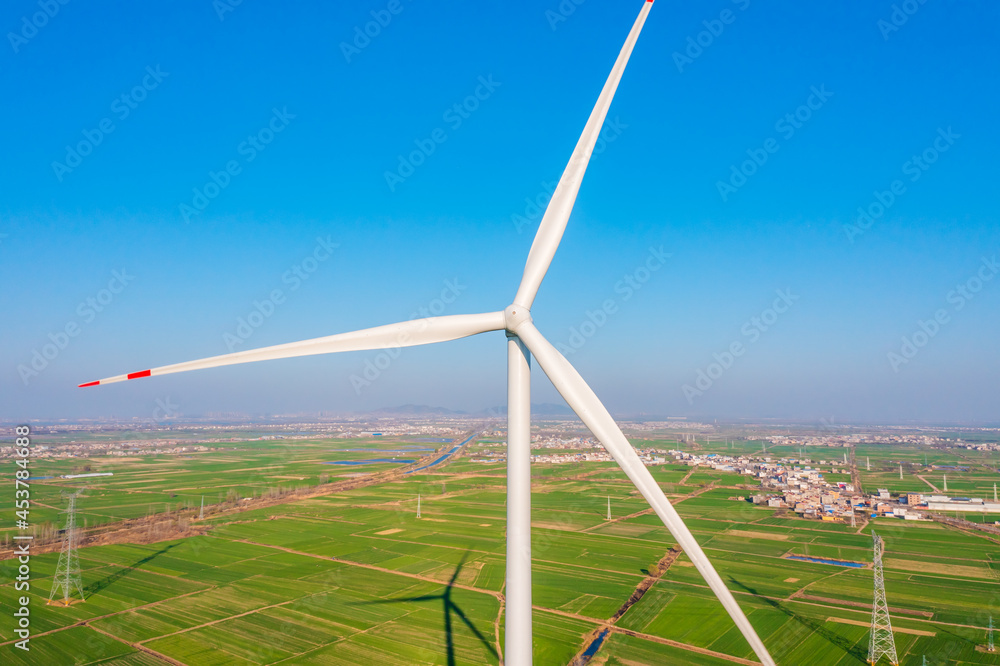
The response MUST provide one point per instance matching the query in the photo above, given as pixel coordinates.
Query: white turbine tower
(523, 340)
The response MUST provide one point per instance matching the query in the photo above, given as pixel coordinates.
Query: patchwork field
(355, 577)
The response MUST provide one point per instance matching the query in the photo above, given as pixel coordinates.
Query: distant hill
(540, 409)
(419, 410)
(537, 409)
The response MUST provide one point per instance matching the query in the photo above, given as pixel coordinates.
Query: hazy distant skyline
(120, 260)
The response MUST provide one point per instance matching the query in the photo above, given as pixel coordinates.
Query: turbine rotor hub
(514, 316)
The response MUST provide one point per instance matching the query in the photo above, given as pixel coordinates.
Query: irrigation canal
(445, 456)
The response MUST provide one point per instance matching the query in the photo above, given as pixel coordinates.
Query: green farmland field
(355, 577)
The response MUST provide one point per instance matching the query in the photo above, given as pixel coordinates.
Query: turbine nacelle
(515, 316)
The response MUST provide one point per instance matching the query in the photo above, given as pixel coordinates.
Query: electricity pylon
(868, 461)
(418, 505)
(201, 514)
(67, 576)
(946, 483)
(881, 642)
(609, 507)
(900, 471)
(990, 646)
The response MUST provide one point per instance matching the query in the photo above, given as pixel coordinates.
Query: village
(799, 485)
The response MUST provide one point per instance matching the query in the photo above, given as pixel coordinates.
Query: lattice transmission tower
(990, 646)
(67, 578)
(881, 642)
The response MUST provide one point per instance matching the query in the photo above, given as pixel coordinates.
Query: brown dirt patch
(895, 629)
(756, 535)
(914, 566)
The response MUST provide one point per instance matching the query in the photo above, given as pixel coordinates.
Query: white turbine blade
(553, 224)
(404, 334)
(595, 416)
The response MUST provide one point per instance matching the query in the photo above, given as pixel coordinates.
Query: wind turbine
(523, 341)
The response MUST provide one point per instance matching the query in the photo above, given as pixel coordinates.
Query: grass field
(144, 484)
(356, 578)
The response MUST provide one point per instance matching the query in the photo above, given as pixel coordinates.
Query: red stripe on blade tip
(88, 384)
(139, 375)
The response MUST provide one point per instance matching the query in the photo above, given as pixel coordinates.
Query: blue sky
(710, 86)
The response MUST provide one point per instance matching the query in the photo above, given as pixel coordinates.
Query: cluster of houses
(836, 439)
(118, 449)
(800, 487)
(788, 483)
(576, 453)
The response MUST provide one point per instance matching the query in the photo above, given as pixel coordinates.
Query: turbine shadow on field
(449, 608)
(99, 585)
(816, 626)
